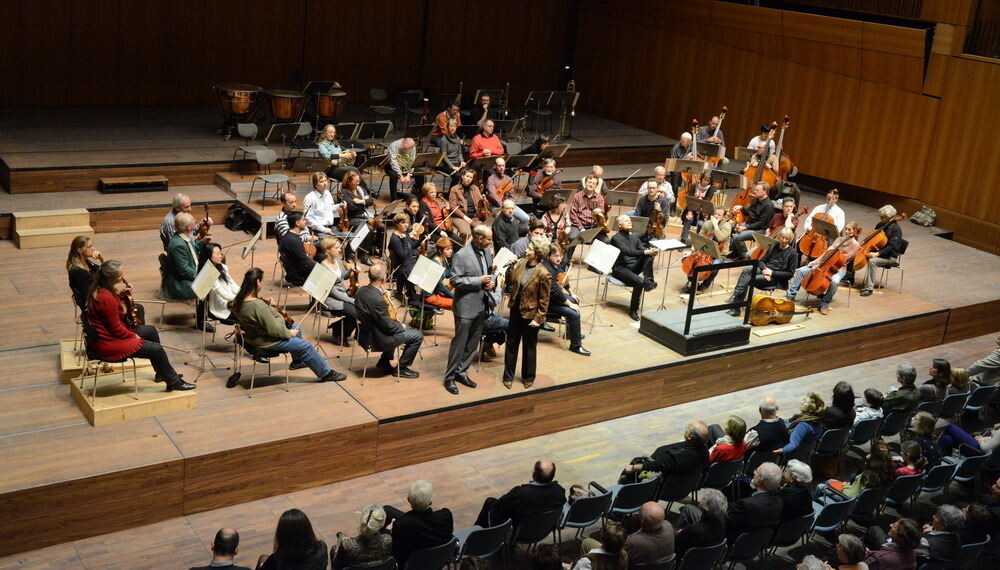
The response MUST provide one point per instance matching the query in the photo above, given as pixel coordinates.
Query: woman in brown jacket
(462, 200)
(529, 284)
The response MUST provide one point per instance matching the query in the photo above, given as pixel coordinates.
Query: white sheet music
(602, 256)
(363, 232)
(426, 274)
(319, 283)
(204, 281)
(667, 244)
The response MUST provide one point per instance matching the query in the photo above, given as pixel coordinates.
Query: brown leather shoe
(824, 310)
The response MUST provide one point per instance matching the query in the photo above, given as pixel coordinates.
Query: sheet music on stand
(763, 241)
(319, 283)
(501, 259)
(248, 248)
(204, 281)
(667, 244)
(711, 149)
(485, 162)
(426, 274)
(360, 235)
(701, 206)
(825, 228)
(602, 257)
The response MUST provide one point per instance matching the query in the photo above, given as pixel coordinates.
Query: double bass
(785, 164)
(812, 245)
(758, 173)
(717, 160)
(687, 179)
(874, 241)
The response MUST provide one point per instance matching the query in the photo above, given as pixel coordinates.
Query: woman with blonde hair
(530, 284)
(804, 426)
(82, 265)
(959, 381)
(371, 546)
(329, 254)
(729, 442)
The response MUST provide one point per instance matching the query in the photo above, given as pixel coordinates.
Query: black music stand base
(709, 331)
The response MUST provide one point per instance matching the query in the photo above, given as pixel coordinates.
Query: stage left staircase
(50, 228)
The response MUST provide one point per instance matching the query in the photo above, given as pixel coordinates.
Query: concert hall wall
(891, 113)
(62, 53)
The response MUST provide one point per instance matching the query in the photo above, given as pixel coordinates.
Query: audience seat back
(486, 542)
(535, 528)
(903, 489)
(749, 545)
(833, 514)
(791, 531)
(631, 496)
(952, 405)
(702, 557)
(433, 558)
(864, 431)
(893, 423)
(869, 503)
(938, 477)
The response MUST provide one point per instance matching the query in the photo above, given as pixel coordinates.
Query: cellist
(832, 197)
(719, 228)
(759, 214)
(703, 190)
(848, 245)
(770, 162)
(888, 254)
(775, 268)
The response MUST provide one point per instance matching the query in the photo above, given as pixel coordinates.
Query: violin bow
(626, 180)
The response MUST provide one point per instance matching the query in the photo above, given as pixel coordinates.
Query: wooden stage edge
(89, 506)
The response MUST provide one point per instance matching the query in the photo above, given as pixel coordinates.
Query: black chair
(864, 432)
(831, 444)
(388, 564)
(630, 497)
(969, 470)
(932, 407)
(433, 558)
(893, 423)
(748, 546)
(968, 555)
(938, 477)
(720, 475)
(483, 542)
(869, 503)
(979, 398)
(532, 530)
(831, 516)
(790, 532)
(952, 405)
(905, 488)
(676, 486)
(702, 557)
(582, 513)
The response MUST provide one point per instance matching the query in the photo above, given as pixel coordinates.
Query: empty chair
(483, 542)
(893, 423)
(905, 488)
(938, 477)
(534, 529)
(676, 486)
(864, 432)
(433, 558)
(831, 443)
(629, 498)
(702, 557)
(266, 158)
(831, 516)
(720, 475)
(952, 405)
(869, 503)
(968, 555)
(249, 132)
(791, 531)
(378, 109)
(583, 512)
(932, 407)
(979, 398)
(969, 469)
(748, 546)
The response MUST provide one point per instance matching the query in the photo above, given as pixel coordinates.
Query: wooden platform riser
(55, 220)
(54, 238)
(68, 180)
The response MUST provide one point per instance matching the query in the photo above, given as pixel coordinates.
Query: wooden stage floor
(232, 449)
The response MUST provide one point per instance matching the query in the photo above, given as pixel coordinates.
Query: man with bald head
(762, 509)
(686, 457)
(542, 494)
(653, 543)
(771, 431)
(224, 550)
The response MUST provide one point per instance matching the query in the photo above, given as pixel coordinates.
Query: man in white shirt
(839, 218)
(321, 211)
(764, 130)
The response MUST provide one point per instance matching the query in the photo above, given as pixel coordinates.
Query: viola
(131, 316)
(657, 224)
(390, 309)
(765, 310)
(873, 242)
(759, 252)
(547, 182)
(817, 281)
(482, 209)
(505, 188)
(289, 321)
(204, 227)
(812, 244)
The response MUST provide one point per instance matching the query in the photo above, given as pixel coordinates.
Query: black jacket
(759, 214)
(417, 530)
(835, 418)
(894, 235)
(557, 295)
(294, 259)
(708, 531)
(506, 231)
(526, 500)
(377, 329)
(796, 502)
(760, 510)
(358, 211)
(632, 246)
(904, 399)
(781, 262)
(678, 458)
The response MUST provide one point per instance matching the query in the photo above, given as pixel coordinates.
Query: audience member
(840, 413)
(682, 458)
(542, 494)
(912, 459)
(905, 398)
(878, 473)
(805, 427)
(295, 545)
(899, 553)
(872, 407)
(959, 381)
(810, 562)
(796, 500)
(978, 524)
(771, 432)
(730, 443)
(653, 543)
(422, 527)
(372, 545)
(610, 555)
(937, 387)
(704, 525)
(546, 557)
(922, 425)
(986, 370)
(762, 509)
(941, 535)
(850, 553)
(224, 550)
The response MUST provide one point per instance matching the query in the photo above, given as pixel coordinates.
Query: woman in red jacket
(108, 336)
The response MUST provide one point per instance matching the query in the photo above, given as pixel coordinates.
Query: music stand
(693, 167)
(374, 130)
(728, 179)
(555, 151)
(467, 131)
(503, 126)
(825, 229)
(566, 101)
(763, 241)
(622, 198)
(552, 196)
(520, 161)
(418, 132)
(711, 150)
(202, 286)
(308, 164)
(251, 247)
(495, 96)
(282, 132)
(343, 128)
(602, 258)
(700, 206)
(668, 245)
(426, 274)
(318, 284)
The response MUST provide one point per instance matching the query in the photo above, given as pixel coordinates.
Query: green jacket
(262, 326)
(181, 268)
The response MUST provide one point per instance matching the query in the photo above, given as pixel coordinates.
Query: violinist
(562, 302)
(703, 190)
(329, 254)
(168, 227)
(289, 203)
(547, 176)
(785, 217)
(321, 210)
(660, 176)
(770, 161)
(110, 338)
(775, 268)
(848, 245)
(535, 229)
(759, 214)
(634, 265)
(224, 289)
(832, 197)
(499, 178)
(463, 200)
(583, 205)
(403, 247)
(265, 328)
(506, 227)
(597, 171)
(556, 221)
(292, 253)
(719, 228)
(706, 133)
(442, 297)
(449, 144)
(356, 202)
(652, 201)
(82, 265)
(182, 267)
(486, 143)
(887, 255)
(381, 332)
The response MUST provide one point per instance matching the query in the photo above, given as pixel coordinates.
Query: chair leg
(287, 389)
(250, 195)
(135, 379)
(364, 371)
(93, 392)
(253, 375)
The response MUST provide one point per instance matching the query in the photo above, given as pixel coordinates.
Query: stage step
(116, 401)
(72, 360)
(114, 185)
(50, 228)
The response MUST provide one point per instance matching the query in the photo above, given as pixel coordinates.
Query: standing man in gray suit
(471, 274)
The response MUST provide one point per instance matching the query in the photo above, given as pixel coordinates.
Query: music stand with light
(374, 130)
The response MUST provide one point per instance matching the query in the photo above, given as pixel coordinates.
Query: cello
(687, 178)
(757, 173)
(874, 241)
(700, 258)
(817, 281)
(759, 252)
(765, 310)
(812, 245)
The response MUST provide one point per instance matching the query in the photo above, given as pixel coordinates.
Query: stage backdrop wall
(123, 52)
(896, 111)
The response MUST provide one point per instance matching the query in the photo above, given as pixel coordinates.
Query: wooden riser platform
(118, 399)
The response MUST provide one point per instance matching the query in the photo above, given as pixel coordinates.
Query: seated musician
(759, 214)
(266, 329)
(706, 133)
(289, 203)
(582, 207)
(888, 254)
(499, 177)
(382, 333)
(634, 265)
(449, 144)
(535, 229)
(703, 190)
(681, 150)
(108, 335)
(832, 197)
(432, 211)
(399, 166)
(775, 268)
(771, 162)
(463, 201)
(357, 200)
(292, 253)
(486, 143)
(545, 180)
(322, 212)
(224, 289)
(660, 176)
(719, 228)
(483, 111)
(168, 227)
(329, 254)
(848, 245)
(652, 201)
(537, 146)
(442, 297)
(403, 246)
(785, 218)
(556, 221)
(451, 113)
(82, 265)
(765, 130)
(597, 171)
(562, 302)
(341, 160)
(506, 227)
(182, 267)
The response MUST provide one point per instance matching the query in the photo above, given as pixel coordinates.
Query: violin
(482, 209)
(289, 321)
(344, 224)
(547, 182)
(352, 277)
(657, 224)
(873, 242)
(812, 245)
(131, 316)
(817, 281)
(759, 252)
(204, 226)
(687, 179)
(765, 310)
(390, 309)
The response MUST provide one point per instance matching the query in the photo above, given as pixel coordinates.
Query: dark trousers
(483, 519)
(743, 283)
(519, 333)
(411, 341)
(687, 224)
(391, 514)
(156, 354)
(462, 350)
(393, 182)
(349, 322)
(635, 275)
(572, 323)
